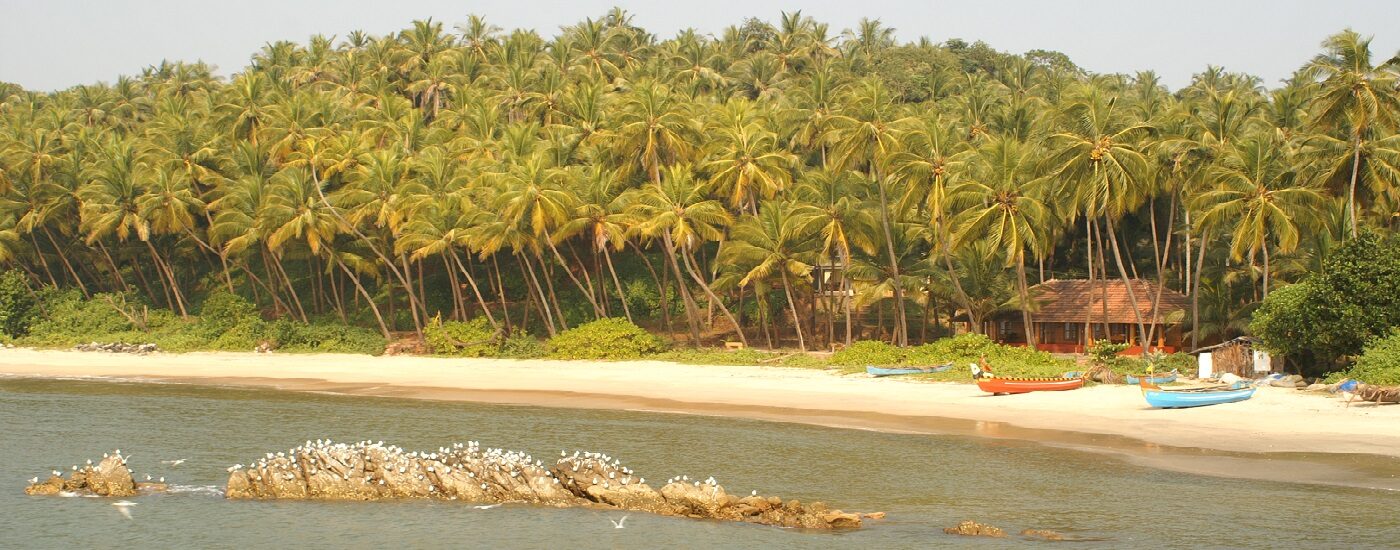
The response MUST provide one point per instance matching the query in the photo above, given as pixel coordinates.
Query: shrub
(1332, 314)
(867, 352)
(608, 339)
(293, 336)
(1380, 362)
(1005, 360)
(16, 304)
(522, 345)
(69, 319)
(474, 338)
(1104, 352)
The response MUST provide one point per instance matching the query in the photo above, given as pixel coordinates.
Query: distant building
(1063, 308)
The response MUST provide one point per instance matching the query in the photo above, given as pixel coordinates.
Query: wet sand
(1280, 434)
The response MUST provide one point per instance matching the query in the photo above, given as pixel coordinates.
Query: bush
(867, 352)
(1332, 314)
(16, 304)
(1104, 352)
(70, 320)
(1005, 360)
(474, 338)
(609, 339)
(1380, 362)
(294, 336)
(521, 345)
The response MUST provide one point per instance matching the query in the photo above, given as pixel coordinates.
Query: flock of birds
(606, 471)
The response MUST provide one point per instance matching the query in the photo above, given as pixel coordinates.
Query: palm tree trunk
(355, 280)
(1196, 294)
(693, 269)
(476, 291)
(607, 258)
(901, 332)
(162, 266)
(116, 271)
(277, 264)
(1089, 307)
(543, 304)
(1351, 190)
(459, 306)
(63, 258)
(1265, 249)
(691, 311)
(586, 290)
(40, 253)
(792, 305)
(1132, 295)
(660, 288)
(1025, 302)
(415, 304)
(500, 292)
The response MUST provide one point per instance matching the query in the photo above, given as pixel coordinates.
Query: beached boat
(1180, 399)
(997, 385)
(1155, 379)
(879, 371)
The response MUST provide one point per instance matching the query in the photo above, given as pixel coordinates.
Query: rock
(1042, 534)
(1229, 378)
(1317, 387)
(875, 515)
(971, 528)
(108, 478)
(1290, 381)
(374, 471)
(118, 347)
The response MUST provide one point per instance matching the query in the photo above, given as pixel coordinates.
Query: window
(1071, 332)
(1004, 327)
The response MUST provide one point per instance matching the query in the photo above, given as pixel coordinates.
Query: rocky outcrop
(971, 528)
(1042, 534)
(374, 471)
(109, 478)
(118, 347)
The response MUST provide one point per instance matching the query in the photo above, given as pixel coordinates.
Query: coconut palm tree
(777, 241)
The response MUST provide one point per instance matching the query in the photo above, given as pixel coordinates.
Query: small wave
(212, 490)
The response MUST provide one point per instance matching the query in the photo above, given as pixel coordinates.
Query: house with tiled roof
(1069, 314)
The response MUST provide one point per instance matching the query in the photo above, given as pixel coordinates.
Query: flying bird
(618, 524)
(175, 462)
(124, 506)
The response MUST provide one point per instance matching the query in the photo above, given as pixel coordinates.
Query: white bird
(175, 462)
(162, 480)
(618, 524)
(57, 473)
(33, 480)
(487, 506)
(124, 506)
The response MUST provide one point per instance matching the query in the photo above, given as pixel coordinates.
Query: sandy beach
(1233, 440)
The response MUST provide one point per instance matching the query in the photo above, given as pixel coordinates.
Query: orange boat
(997, 385)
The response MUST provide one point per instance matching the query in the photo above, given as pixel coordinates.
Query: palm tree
(1354, 97)
(1003, 207)
(776, 241)
(1261, 197)
(828, 204)
(1095, 156)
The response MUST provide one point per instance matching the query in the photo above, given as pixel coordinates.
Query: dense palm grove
(809, 186)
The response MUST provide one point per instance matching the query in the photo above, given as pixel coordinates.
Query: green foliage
(1104, 352)
(690, 356)
(1334, 313)
(16, 304)
(609, 338)
(1005, 360)
(522, 345)
(867, 352)
(474, 338)
(1380, 362)
(70, 320)
(292, 336)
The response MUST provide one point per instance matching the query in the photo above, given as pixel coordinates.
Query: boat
(1181, 399)
(1156, 379)
(1195, 397)
(879, 371)
(998, 385)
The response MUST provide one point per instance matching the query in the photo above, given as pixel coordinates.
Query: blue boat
(1155, 379)
(878, 371)
(1181, 399)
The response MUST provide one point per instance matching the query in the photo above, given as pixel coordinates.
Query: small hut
(1239, 357)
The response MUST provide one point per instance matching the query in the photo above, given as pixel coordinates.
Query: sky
(55, 44)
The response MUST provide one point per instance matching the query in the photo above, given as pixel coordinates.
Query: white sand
(1274, 420)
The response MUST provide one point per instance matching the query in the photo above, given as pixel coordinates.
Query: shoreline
(1280, 434)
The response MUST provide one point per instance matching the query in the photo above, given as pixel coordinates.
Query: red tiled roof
(1070, 300)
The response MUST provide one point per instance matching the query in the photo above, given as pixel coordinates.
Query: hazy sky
(51, 44)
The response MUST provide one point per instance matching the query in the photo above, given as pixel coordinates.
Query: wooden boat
(997, 385)
(1180, 399)
(1156, 379)
(1194, 397)
(879, 371)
